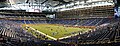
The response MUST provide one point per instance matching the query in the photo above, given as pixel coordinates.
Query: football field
(56, 31)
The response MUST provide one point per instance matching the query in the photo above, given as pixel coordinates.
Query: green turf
(57, 30)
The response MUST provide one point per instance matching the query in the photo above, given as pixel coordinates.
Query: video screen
(117, 9)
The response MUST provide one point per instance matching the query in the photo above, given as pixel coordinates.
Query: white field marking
(43, 33)
(58, 38)
(70, 36)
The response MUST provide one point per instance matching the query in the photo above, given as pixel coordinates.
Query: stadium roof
(47, 4)
(54, 3)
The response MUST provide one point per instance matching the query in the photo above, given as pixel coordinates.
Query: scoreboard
(117, 8)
